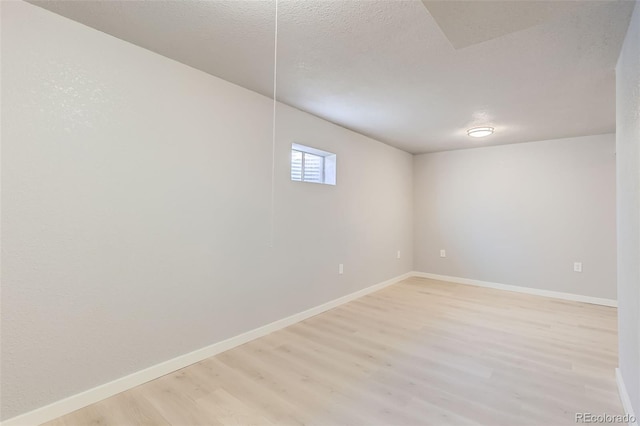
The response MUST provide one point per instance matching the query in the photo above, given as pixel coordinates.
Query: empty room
(320, 212)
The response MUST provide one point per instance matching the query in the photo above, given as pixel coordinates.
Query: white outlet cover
(443, 253)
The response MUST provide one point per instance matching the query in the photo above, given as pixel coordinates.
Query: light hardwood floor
(421, 352)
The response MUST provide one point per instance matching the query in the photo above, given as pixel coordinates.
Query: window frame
(327, 164)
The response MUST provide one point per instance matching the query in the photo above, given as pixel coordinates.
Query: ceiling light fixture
(480, 132)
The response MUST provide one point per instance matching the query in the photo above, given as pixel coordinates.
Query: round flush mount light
(480, 132)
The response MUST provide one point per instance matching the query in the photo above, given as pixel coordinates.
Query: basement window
(312, 165)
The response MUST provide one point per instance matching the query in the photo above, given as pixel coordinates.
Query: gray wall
(520, 214)
(628, 174)
(136, 210)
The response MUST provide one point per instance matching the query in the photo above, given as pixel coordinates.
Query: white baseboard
(527, 290)
(624, 397)
(75, 402)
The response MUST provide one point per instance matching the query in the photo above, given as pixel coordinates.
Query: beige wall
(520, 214)
(628, 177)
(136, 221)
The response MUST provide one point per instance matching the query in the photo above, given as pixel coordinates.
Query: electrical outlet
(340, 269)
(443, 253)
(577, 266)
(398, 255)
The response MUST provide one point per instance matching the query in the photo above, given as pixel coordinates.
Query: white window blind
(312, 165)
(296, 165)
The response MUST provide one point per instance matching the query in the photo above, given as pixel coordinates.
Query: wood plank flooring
(421, 352)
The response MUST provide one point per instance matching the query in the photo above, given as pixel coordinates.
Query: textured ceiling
(470, 22)
(413, 75)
